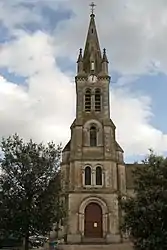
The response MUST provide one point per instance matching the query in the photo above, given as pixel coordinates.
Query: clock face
(92, 78)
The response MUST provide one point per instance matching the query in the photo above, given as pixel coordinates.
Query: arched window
(88, 100)
(93, 136)
(87, 176)
(97, 100)
(98, 176)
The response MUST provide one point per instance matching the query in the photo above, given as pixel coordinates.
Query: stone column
(93, 180)
(105, 224)
(81, 223)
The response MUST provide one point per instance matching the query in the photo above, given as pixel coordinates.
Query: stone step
(123, 246)
(93, 241)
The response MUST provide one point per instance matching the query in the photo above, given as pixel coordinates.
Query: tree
(30, 190)
(146, 213)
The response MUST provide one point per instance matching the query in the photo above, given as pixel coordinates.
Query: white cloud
(132, 115)
(14, 14)
(30, 57)
(42, 109)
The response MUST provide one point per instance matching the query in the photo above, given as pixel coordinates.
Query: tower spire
(92, 52)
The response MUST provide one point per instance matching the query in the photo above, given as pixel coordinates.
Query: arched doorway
(93, 221)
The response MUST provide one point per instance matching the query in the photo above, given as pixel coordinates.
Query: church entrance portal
(93, 221)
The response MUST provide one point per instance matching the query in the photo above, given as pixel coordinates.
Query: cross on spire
(92, 5)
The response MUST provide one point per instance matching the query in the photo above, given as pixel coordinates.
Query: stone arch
(104, 208)
(99, 165)
(86, 130)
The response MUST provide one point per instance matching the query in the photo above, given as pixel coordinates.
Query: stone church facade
(93, 167)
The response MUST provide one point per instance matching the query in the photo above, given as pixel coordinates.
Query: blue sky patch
(4, 33)
(154, 86)
(50, 19)
(12, 77)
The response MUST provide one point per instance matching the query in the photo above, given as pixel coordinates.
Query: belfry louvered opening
(97, 100)
(88, 100)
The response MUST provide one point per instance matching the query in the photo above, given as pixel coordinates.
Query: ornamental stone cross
(92, 5)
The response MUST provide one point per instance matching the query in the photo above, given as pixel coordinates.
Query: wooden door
(93, 221)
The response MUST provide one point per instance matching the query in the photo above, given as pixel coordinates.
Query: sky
(39, 44)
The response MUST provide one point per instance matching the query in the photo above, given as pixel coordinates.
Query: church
(93, 166)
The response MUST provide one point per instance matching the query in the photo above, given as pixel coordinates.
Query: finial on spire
(92, 5)
(80, 56)
(104, 56)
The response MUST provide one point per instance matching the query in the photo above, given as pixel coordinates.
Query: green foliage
(146, 213)
(30, 193)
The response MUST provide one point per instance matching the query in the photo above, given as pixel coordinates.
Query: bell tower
(92, 161)
(92, 72)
